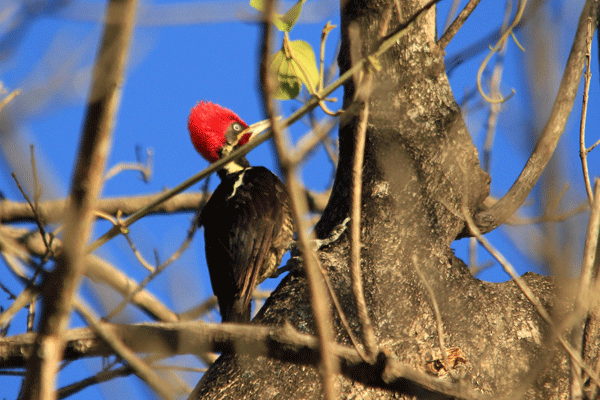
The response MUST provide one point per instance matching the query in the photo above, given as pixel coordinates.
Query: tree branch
(496, 215)
(282, 343)
(59, 290)
(52, 211)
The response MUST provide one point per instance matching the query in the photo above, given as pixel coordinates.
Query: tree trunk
(421, 170)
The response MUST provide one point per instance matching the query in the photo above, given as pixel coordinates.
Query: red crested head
(208, 123)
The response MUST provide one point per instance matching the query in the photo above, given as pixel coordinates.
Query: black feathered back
(244, 228)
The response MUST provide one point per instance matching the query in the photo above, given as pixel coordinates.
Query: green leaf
(294, 65)
(287, 21)
(307, 70)
(289, 83)
(284, 22)
(258, 5)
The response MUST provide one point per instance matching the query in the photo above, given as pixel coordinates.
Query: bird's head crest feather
(207, 124)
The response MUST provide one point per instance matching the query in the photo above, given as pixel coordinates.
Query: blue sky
(184, 52)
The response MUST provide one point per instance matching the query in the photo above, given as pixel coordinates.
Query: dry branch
(59, 290)
(52, 211)
(282, 343)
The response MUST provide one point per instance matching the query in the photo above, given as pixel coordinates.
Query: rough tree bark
(420, 171)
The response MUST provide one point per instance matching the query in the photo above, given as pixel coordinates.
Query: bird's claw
(334, 235)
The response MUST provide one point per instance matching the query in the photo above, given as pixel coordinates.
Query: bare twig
(37, 190)
(549, 216)
(179, 368)
(586, 90)
(473, 264)
(6, 290)
(98, 270)
(329, 363)
(483, 44)
(457, 24)
(144, 168)
(368, 334)
(157, 270)
(318, 133)
(9, 98)
(495, 92)
(326, 29)
(31, 314)
(100, 377)
(139, 367)
(592, 147)
(38, 219)
(59, 290)
(51, 211)
(583, 301)
(493, 50)
(25, 297)
(211, 302)
(199, 310)
(340, 310)
(451, 14)
(436, 311)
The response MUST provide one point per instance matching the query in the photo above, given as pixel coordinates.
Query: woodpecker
(247, 221)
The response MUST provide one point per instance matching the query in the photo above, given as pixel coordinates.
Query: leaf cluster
(295, 63)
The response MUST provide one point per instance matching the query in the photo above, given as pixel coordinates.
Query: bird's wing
(260, 223)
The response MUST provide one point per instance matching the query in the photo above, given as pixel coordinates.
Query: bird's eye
(237, 127)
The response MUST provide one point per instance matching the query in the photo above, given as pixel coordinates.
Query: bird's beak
(257, 128)
(254, 130)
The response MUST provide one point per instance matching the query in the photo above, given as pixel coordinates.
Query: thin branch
(368, 334)
(549, 217)
(179, 368)
(495, 108)
(326, 29)
(7, 99)
(483, 44)
(99, 270)
(436, 311)
(319, 133)
(329, 363)
(25, 297)
(158, 269)
(144, 168)
(31, 314)
(473, 264)
(457, 24)
(340, 310)
(588, 78)
(200, 310)
(6, 290)
(51, 211)
(592, 147)
(451, 14)
(59, 290)
(139, 367)
(37, 190)
(102, 376)
(583, 301)
(38, 219)
(497, 47)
